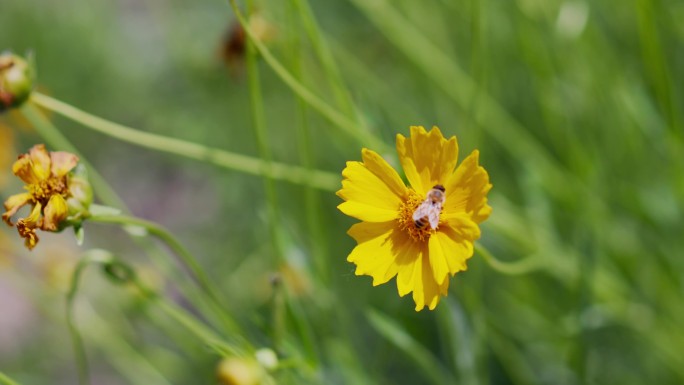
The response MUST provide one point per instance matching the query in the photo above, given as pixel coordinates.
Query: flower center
(43, 190)
(406, 221)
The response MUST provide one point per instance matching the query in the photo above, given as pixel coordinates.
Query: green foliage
(574, 106)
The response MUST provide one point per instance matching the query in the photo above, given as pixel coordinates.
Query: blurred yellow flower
(422, 234)
(239, 371)
(6, 150)
(47, 189)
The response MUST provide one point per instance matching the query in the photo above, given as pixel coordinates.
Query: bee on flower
(422, 234)
(56, 189)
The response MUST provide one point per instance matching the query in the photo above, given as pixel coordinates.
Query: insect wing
(433, 214)
(422, 211)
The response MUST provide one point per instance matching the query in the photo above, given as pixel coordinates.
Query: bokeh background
(575, 106)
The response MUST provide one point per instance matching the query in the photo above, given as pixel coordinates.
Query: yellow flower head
(46, 175)
(423, 234)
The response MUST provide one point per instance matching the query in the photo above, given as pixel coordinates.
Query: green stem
(257, 112)
(180, 315)
(55, 138)
(6, 380)
(298, 175)
(523, 266)
(334, 116)
(185, 256)
(95, 256)
(322, 50)
(311, 198)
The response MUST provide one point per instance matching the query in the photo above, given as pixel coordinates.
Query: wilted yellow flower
(423, 234)
(46, 175)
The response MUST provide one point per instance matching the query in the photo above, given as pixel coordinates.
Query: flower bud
(81, 193)
(16, 80)
(267, 358)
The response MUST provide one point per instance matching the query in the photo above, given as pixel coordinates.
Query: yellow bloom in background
(47, 190)
(423, 234)
(6, 150)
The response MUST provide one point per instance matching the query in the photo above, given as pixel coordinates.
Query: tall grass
(575, 106)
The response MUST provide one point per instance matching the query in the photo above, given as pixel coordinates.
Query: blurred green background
(575, 106)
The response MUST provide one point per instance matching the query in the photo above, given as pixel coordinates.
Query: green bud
(118, 272)
(81, 194)
(16, 80)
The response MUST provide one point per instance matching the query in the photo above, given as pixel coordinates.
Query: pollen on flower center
(406, 221)
(43, 190)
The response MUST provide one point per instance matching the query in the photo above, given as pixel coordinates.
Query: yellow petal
(415, 275)
(62, 162)
(377, 249)
(29, 235)
(23, 168)
(13, 204)
(463, 224)
(40, 160)
(441, 262)
(27, 227)
(33, 220)
(56, 211)
(450, 248)
(372, 190)
(466, 191)
(428, 158)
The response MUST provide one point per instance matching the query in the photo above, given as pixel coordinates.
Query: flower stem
(298, 175)
(325, 56)
(55, 138)
(311, 198)
(185, 256)
(76, 339)
(523, 266)
(105, 258)
(258, 122)
(334, 116)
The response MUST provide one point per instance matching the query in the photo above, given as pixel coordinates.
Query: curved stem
(334, 116)
(180, 315)
(94, 256)
(523, 266)
(325, 56)
(185, 256)
(298, 175)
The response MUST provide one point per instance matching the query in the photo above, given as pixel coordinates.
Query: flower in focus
(415, 233)
(53, 190)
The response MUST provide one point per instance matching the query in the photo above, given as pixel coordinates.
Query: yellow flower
(390, 241)
(46, 175)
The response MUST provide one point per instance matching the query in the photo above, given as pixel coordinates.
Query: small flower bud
(81, 194)
(267, 358)
(16, 80)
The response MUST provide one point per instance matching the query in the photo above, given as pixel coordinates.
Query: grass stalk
(261, 136)
(293, 174)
